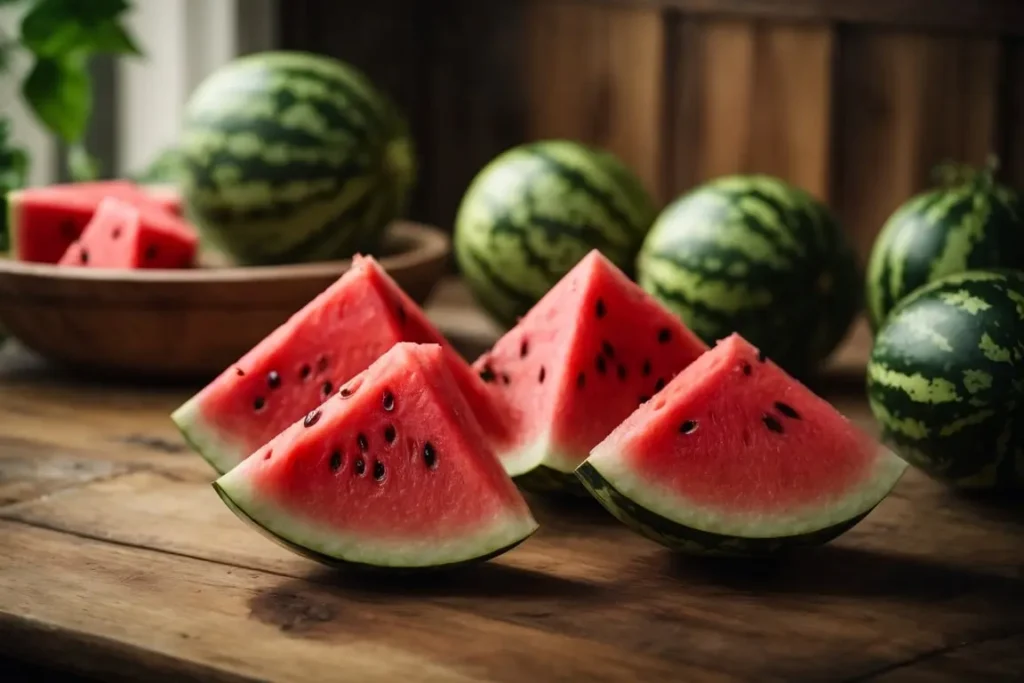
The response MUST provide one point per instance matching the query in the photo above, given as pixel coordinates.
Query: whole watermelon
(535, 210)
(292, 157)
(971, 223)
(755, 255)
(946, 379)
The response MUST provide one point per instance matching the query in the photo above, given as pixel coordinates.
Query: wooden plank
(134, 614)
(906, 103)
(1012, 115)
(749, 97)
(990, 16)
(596, 74)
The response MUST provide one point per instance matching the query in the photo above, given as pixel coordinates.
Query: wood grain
(596, 74)
(746, 98)
(908, 102)
(135, 571)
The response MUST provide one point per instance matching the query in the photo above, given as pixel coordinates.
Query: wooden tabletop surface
(117, 560)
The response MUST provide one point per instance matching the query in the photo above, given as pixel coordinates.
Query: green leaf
(59, 28)
(60, 94)
(81, 165)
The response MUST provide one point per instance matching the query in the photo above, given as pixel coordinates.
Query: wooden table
(118, 560)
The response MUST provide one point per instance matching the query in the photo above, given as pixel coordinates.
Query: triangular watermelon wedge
(393, 471)
(335, 336)
(736, 457)
(581, 360)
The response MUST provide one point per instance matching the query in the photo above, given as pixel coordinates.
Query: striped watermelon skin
(755, 255)
(946, 379)
(535, 211)
(293, 157)
(973, 225)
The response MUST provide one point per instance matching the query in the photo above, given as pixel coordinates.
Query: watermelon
(394, 472)
(295, 368)
(45, 221)
(736, 457)
(535, 211)
(972, 223)
(755, 255)
(579, 362)
(946, 379)
(116, 237)
(291, 157)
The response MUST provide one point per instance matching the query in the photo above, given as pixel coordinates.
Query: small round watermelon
(972, 223)
(535, 211)
(946, 379)
(755, 255)
(293, 157)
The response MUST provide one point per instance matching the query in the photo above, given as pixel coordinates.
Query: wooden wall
(855, 100)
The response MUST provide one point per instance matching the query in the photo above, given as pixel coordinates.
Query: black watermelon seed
(389, 401)
(312, 417)
(273, 379)
(600, 309)
(362, 442)
(150, 252)
(259, 403)
(390, 434)
(622, 371)
(429, 456)
(240, 372)
(599, 362)
(67, 229)
(688, 427)
(524, 348)
(647, 368)
(116, 233)
(787, 410)
(660, 384)
(487, 374)
(304, 371)
(328, 388)
(581, 379)
(664, 335)
(345, 392)
(400, 310)
(505, 378)
(84, 256)
(760, 356)
(270, 452)
(644, 398)
(378, 470)
(746, 368)
(360, 466)
(608, 349)
(772, 424)
(335, 461)
(540, 375)
(321, 364)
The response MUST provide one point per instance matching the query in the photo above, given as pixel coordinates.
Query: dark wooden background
(855, 100)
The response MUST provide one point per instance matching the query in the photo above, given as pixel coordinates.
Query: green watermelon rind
(332, 548)
(959, 419)
(941, 232)
(222, 455)
(512, 251)
(673, 522)
(314, 167)
(721, 258)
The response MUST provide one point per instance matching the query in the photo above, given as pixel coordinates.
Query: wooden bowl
(184, 324)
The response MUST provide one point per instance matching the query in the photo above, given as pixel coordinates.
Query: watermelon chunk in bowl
(391, 471)
(736, 457)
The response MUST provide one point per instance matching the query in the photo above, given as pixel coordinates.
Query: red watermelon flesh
(44, 221)
(580, 361)
(393, 471)
(334, 337)
(116, 237)
(735, 446)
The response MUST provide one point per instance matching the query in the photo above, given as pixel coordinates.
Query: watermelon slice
(305, 360)
(580, 361)
(736, 457)
(116, 237)
(390, 472)
(44, 221)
